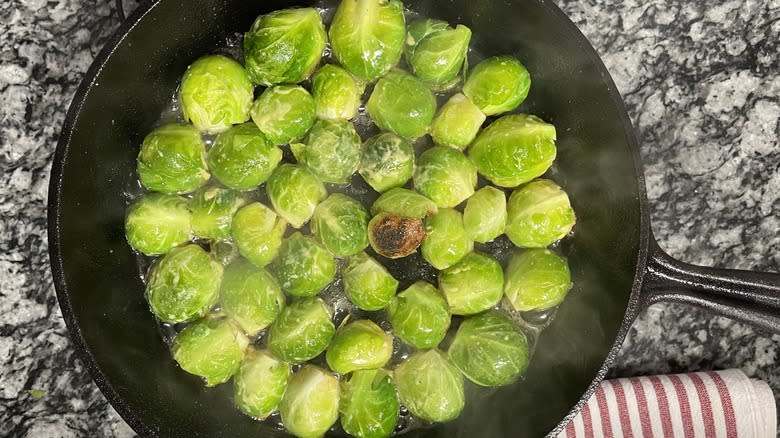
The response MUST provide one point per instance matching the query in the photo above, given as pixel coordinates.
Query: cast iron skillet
(617, 267)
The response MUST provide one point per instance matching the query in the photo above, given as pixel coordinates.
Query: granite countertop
(701, 84)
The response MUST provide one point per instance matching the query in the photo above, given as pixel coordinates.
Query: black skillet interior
(102, 295)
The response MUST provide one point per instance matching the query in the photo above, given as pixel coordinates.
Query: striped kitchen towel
(710, 404)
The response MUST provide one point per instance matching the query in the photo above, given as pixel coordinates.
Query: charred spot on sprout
(394, 236)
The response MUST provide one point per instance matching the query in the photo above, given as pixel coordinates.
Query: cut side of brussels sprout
(369, 404)
(457, 123)
(436, 52)
(211, 348)
(446, 241)
(172, 160)
(295, 193)
(242, 157)
(420, 315)
(341, 224)
(445, 176)
(367, 283)
(473, 285)
(212, 212)
(260, 383)
(537, 279)
(310, 405)
(388, 162)
(498, 85)
(303, 267)
(336, 93)
(331, 151)
(284, 113)
(359, 345)
(258, 232)
(302, 331)
(402, 104)
(394, 236)
(156, 223)
(539, 214)
(251, 296)
(430, 386)
(484, 217)
(404, 202)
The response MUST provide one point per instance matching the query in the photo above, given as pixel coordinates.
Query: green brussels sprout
(284, 113)
(404, 202)
(302, 331)
(359, 345)
(498, 84)
(514, 150)
(394, 236)
(172, 160)
(310, 405)
(387, 162)
(303, 267)
(284, 46)
(484, 217)
(537, 279)
(156, 223)
(489, 349)
(258, 232)
(294, 193)
(341, 224)
(369, 404)
(331, 151)
(216, 93)
(212, 212)
(336, 93)
(446, 240)
(420, 315)
(251, 296)
(242, 158)
(260, 383)
(457, 123)
(445, 176)
(473, 285)
(539, 214)
(211, 348)
(436, 52)
(184, 284)
(367, 283)
(368, 36)
(402, 104)
(430, 386)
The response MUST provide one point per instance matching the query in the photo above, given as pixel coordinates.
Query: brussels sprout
(498, 84)
(436, 51)
(473, 285)
(341, 223)
(251, 296)
(212, 212)
(259, 384)
(303, 267)
(484, 217)
(284, 113)
(310, 405)
(394, 236)
(331, 151)
(367, 283)
(211, 348)
(216, 93)
(489, 349)
(514, 150)
(284, 46)
(446, 241)
(400, 103)
(430, 386)
(420, 315)
(369, 404)
(368, 36)
(359, 345)
(258, 233)
(242, 158)
(183, 284)
(336, 93)
(445, 176)
(404, 202)
(172, 160)
(537, 279)
(155, 223)
(295, 193)
(302, 331)
(457, 123)
(388, 162)
(539, 214)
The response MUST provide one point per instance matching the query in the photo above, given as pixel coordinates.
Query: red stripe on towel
(663, 406)
(725, 400)
(641, 402)
(587, 422)
(706, 405)
(606, 423)
(570, 433)
(625, 416)
(685, 406)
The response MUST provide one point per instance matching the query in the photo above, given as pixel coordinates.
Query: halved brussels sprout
(446, 240)
(183, 284)
(473, 285)
(368, 36)
(539, 214)
(284, 113)
(388, 161)
(260, 383)
(436, 52)
(156, 223)
(331, 151)
(310, 405)
(295, 193)
(489, 349)
(303, 267)
(430, 386)
(402, 104)
(172, 160)
(537, 279)
(336, 93)
(498, 84)
(216, 93)
(367, 283)
(341, 224)
(369, 404)
(359, 345)
(514, 150)
(484, 217)
(394, 236)
(445, 176)
(284, 46)
(251, 296)
(212, 212)
(242, 157)
(457, 123)
(211, 348)
(258, 233)
(302, 331)
(420, 315)
(404, 202)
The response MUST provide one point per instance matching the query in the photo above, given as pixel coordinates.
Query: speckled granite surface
(701, 81)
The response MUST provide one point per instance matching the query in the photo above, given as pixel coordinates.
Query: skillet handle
(125, 7)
